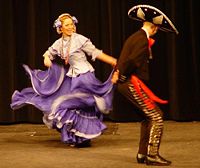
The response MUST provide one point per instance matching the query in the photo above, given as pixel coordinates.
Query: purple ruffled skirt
(72, 105)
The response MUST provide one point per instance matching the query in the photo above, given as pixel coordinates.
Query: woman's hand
(115, 77)
(47, 61)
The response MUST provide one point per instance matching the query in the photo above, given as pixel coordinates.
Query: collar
(145, 32)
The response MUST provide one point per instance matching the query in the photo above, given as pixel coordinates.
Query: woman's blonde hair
(59, 22)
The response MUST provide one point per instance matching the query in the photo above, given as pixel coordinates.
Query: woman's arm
(107, 59)
(91, 50)
(51, 53)
(47, 60)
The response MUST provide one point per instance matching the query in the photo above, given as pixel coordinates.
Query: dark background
(26, 32)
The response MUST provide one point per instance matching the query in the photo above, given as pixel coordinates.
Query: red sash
(140, 86)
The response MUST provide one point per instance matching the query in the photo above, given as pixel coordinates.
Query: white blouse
(77, 47)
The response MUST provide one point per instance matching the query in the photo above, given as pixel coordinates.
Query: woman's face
(68, 27)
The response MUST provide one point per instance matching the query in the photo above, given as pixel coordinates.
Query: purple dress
(73, 101)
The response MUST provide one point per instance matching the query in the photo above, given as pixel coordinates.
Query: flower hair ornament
(57, 22)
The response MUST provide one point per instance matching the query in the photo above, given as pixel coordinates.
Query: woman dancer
(71, 98)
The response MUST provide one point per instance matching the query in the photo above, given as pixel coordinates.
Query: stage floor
(36, 146)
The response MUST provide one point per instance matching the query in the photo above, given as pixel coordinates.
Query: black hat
(153, 15)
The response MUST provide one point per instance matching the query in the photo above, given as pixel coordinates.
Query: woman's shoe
(84, 144)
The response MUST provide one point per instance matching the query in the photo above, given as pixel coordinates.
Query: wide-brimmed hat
(153, 15)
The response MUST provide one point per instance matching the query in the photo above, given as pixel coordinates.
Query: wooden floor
(36, 146)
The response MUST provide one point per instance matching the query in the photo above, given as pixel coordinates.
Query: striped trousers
(152, 126)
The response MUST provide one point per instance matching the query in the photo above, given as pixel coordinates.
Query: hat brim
(153, 15)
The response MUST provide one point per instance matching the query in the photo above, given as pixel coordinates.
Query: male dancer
(132, 70)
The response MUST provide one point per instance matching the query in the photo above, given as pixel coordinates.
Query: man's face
(154, 30)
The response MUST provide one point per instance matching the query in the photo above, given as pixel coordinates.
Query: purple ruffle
(74, 106)
(46, 82)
